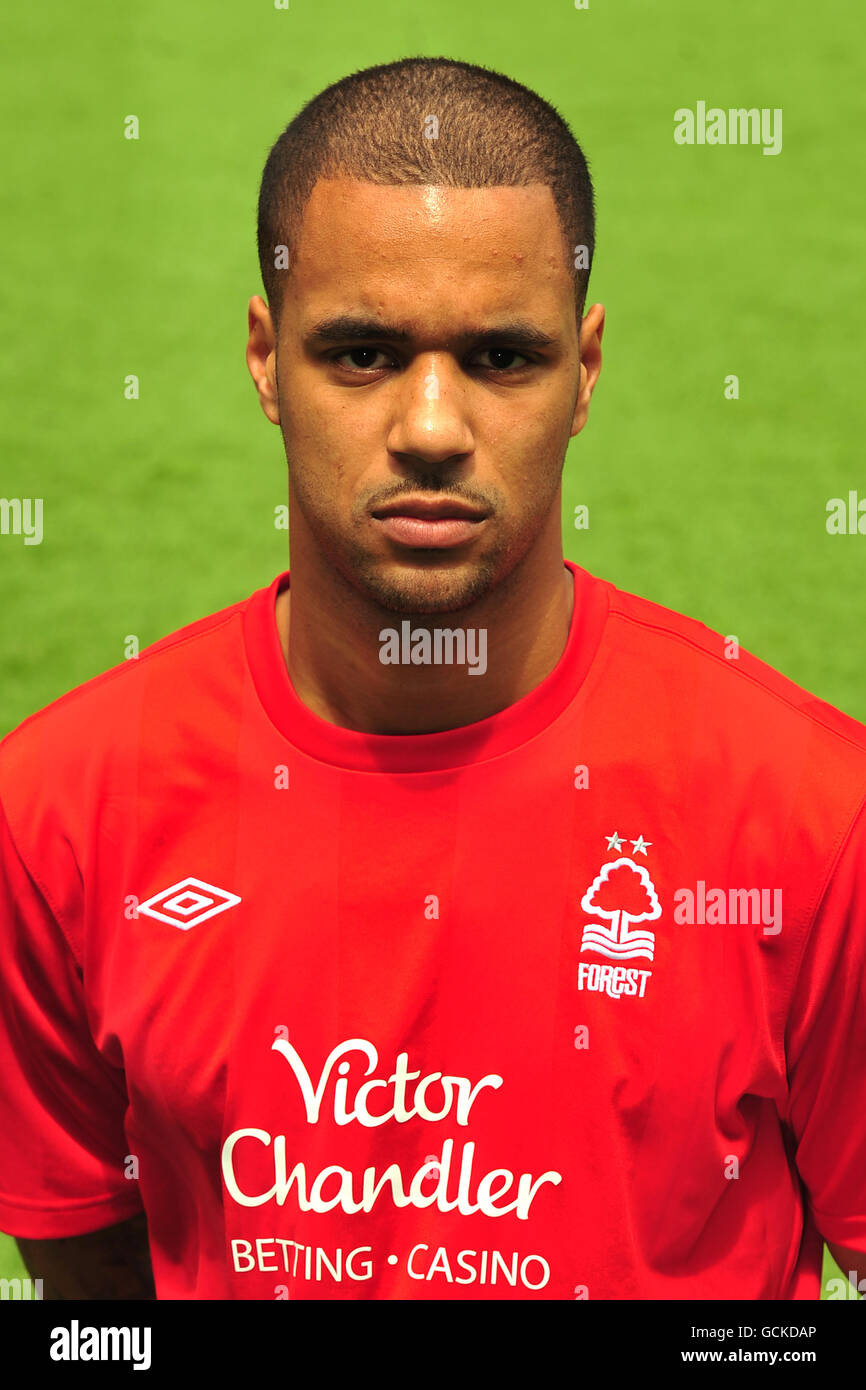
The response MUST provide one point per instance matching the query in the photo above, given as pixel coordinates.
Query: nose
(431, 415)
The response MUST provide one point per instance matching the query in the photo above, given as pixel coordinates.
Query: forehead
(375, 244)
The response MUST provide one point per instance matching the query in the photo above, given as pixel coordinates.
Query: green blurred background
(139, 257)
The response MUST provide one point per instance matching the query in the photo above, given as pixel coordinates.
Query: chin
(437, 589)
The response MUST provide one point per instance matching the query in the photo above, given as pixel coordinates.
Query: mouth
(430, 523)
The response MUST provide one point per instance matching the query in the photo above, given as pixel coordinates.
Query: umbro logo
(187, 903)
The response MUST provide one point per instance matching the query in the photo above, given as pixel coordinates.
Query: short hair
(375, 124)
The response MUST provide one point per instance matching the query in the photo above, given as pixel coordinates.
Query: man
(440, 922)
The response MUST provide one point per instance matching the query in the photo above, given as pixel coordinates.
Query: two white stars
(615, 841)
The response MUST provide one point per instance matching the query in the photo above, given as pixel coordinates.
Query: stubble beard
(417, 589)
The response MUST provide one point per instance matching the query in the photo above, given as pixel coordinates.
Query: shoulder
(729, 684)
(58, 752)
(723, 730)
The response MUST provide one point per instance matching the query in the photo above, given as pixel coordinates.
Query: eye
(358, 352)
(505, 352)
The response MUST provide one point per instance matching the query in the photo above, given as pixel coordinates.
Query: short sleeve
(62, 1105)
(826, 1052)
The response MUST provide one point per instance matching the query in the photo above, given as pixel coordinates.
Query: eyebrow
(515, 332)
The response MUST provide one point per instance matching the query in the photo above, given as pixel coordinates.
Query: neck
(330, 637)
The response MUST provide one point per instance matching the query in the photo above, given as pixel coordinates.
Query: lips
(430, 523)
(431, 509)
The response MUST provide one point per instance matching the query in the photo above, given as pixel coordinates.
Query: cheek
(314, 444)
(530, 457)
(320, 477)
(524, 431)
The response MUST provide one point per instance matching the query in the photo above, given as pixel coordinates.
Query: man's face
(457, 409)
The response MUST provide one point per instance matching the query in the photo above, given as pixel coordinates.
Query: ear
(591, 329)
(261, 356)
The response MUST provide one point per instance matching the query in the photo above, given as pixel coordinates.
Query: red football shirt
(565, 1003)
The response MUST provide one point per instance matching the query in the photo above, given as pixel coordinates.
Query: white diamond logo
(177, 904)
